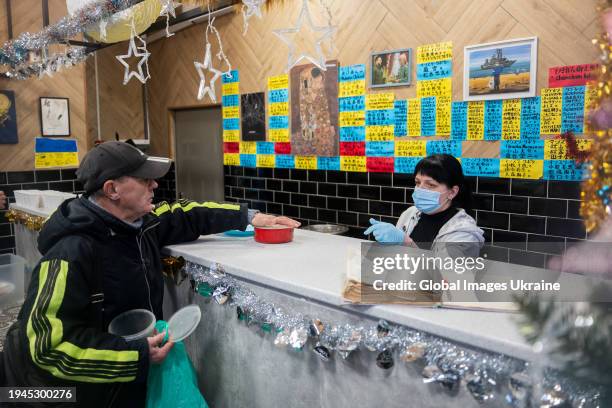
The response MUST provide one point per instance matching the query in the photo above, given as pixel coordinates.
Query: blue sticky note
(285, 161)
(452, 147)
(565, 170)
(351, 73)
(379, 117)
(493, 120)
(351, 103)
(380, 149)
(459, 120)
(278, 95)
(428, 116)
(434, 70)
(480, 167)
(231, 124)
(522, 149)
(328, 163)
(44, 145)
(401, 113)
(230, 100)
(230, 77)
(278, 122)
(572, 113)
(265, 148)
(248, 160)
(530, 118)
(406, 164)
(352, 134)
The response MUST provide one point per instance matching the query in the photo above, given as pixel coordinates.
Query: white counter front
(313, 267)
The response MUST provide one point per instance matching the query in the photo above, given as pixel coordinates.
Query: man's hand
(158, 354)
(2, 200)
(267, 220)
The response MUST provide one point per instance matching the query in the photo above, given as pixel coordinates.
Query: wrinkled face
(135, 195)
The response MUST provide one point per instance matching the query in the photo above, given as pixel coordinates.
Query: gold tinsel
(593, 210)
(31, 222)
(173, 268)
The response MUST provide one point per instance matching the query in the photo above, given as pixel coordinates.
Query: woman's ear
(110, 190)
(453, 192)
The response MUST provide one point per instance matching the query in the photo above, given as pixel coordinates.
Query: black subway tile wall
(524, 221)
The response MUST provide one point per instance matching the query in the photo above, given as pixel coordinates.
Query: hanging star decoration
(207, 65)
(251, 8)
(167, 10)
(325, 34)
(135, 51)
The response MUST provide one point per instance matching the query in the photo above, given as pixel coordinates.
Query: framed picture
(253, 116)
(8, 118)
(500, 70)
(390, 68)
(54, 116)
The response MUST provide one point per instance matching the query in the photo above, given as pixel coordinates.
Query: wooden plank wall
(27, 16)
(564, 29)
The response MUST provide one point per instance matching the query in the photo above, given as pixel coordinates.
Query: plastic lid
(133, 325)
(184, 322)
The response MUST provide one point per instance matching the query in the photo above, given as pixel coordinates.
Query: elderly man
(101, 257)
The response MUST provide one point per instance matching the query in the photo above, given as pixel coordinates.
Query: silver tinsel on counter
(485, 375)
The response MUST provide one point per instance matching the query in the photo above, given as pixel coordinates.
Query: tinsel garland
(15, 53)
(485, 375)
(31, 222)
(596, 191)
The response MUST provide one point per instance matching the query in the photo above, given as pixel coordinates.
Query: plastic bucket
(133, 325)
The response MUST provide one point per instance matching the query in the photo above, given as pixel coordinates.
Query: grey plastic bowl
(133, 325)
(327, 228)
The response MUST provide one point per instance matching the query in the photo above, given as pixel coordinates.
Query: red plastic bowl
(273, 235)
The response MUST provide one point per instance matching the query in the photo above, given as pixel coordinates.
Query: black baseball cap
(111, 160)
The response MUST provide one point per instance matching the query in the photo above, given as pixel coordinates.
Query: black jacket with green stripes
(94, 267)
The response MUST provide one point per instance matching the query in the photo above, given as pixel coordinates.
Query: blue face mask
(425, 200)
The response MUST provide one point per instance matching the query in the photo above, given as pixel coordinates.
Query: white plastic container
(11, 279)
(28, 198)
(52, 199)
(139, 323)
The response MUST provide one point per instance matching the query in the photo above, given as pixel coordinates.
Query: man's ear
(110, 191)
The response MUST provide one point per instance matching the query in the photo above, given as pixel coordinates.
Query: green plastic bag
(173, 383)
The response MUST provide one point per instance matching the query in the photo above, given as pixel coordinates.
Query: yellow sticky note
(266, 160)
(306, 162)
(231, 135)
(248, 147)
(231, 159)
(524, 169)
(231, 88)
(435, 87)
(550, 116)
(278, 135)
(414, 117)
(278, 109)
(411, 148)
(231, 112)
(351, 88)
(475, 130)
(435, 52)
(511, 119)
(55, 159)
(278, 82)
(353, 163)
(443, 115)
(379, 133)
(556, 149)
(590, 93)
(379, 101)
(351, 118)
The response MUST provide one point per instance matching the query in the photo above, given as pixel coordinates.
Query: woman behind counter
(438, 216)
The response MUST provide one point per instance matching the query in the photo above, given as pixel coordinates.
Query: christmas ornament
(250, 8)
(138, 52)
(285, 34)
(167, 10)
(209, 89)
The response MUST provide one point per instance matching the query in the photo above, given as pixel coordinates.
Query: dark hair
(447, 170)
(315, 72)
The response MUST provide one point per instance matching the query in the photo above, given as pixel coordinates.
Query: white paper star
(207, 65)
(134, 51)
(251, 8)
(326, 33)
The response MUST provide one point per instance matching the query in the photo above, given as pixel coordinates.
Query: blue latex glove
(385, 232)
